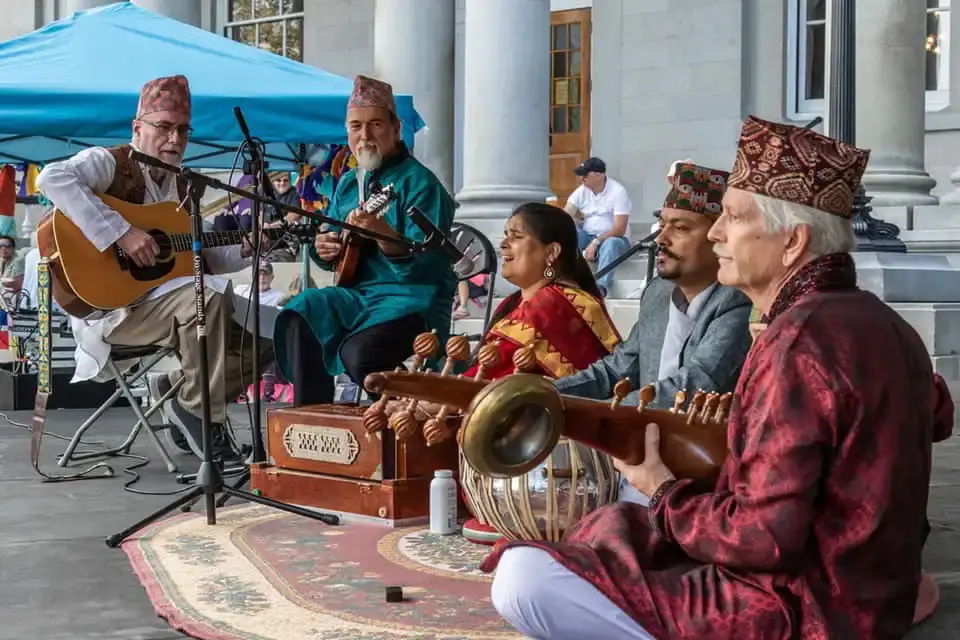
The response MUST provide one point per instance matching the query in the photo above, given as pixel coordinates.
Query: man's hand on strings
(652, 472)
(372, 223)
(139, 247)
(327, 244)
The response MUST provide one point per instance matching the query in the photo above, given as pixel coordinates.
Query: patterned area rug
(260, 574)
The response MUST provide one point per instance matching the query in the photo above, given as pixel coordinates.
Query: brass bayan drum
(544, 503)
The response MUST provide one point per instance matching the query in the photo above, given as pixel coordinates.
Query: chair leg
(123, 383)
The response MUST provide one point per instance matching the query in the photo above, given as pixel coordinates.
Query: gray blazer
(711, 358)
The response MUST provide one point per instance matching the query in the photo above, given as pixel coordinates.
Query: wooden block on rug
(395, 501)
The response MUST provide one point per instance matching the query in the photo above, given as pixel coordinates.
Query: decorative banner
(26, 179)
(317, 184)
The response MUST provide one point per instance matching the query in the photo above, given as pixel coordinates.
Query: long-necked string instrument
(375, 205)
(511, 425)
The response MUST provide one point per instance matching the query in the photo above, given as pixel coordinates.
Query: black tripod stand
(209, 478)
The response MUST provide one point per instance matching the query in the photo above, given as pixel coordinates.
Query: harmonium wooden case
(321, 457)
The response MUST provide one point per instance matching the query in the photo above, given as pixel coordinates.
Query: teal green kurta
(385, 288)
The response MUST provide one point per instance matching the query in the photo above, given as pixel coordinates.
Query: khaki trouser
(170, 321)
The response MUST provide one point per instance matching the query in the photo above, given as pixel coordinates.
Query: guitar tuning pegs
(678, 400)
(647, 395)
(620, 391)
(696, 405)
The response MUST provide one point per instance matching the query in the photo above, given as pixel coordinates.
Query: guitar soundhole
(164, 264)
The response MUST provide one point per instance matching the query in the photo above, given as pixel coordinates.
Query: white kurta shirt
(70, 185)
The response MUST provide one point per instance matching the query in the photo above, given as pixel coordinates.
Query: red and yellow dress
(569, 330)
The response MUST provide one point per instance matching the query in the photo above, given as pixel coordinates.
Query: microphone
(434, 238)
(156, 163)
(256, 153)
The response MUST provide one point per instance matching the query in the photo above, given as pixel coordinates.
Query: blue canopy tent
(76, 83)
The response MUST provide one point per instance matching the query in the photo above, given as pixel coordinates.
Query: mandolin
(86, 280)
(376, 205)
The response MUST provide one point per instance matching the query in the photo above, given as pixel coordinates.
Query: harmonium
(324, 457)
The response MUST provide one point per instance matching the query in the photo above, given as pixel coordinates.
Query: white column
(891, 99)
(188, 11)
(414, 44)
(506, 109)
(69, 7)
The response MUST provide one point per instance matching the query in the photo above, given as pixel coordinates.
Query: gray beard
(369, 160)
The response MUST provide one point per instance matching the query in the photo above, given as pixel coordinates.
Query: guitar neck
(212, 239)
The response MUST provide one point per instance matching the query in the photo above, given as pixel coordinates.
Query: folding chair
(145, 358)
(479, 258)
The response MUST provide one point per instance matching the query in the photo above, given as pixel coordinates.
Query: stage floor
(59, 581)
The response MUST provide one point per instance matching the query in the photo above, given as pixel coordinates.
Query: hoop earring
(549, 273)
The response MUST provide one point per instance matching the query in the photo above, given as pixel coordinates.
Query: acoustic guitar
(85, 279)
(346, 268)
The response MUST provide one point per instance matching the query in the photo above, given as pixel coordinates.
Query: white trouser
(542, 599)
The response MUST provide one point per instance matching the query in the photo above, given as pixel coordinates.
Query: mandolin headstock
(379, 200)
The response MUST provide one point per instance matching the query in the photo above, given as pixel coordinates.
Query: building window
(807, 44)
(807, 49)
(272, 25)
(937, 46)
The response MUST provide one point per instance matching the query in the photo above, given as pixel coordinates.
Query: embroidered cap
(165, 94)
(697, 189)
(369, 92)
(798, 165)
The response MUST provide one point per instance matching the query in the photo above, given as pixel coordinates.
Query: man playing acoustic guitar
(166, 316)
(369, 324)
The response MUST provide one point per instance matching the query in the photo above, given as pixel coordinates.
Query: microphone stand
(257, 168)
(210, 476)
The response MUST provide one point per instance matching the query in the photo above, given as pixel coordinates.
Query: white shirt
(270, 297)
(599, 209)
(679, 326)
(70, 185)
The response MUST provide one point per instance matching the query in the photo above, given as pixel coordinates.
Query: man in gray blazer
(691, 333)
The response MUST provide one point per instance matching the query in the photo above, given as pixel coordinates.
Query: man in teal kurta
(370, 325)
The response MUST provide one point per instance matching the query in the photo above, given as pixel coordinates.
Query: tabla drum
(544, 503)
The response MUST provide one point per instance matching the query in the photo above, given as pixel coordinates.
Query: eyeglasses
(6, 245)
(167, 128)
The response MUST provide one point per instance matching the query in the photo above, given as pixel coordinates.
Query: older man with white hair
(815, 525)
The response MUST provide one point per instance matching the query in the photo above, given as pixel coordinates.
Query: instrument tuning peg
(709, 407)
(620, 391)
(525, 358)
(488, 358)
(678, 400)
(425, 347)
(404, 423)
(720, 416)
(647, 395)
(696, 405)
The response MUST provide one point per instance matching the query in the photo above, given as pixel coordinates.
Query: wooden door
(569, 98)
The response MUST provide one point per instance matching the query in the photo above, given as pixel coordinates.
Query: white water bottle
(443, 503)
